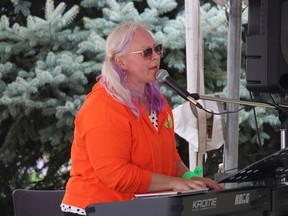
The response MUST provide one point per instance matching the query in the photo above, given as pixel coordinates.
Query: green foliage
(48, 63)
(47, 67)
(21, 6)
(264, 117)
(43, 82)
(214, 26)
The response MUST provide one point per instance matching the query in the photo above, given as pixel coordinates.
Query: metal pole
(233, 83)
(192, 13)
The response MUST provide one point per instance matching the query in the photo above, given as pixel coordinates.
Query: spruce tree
(48, 65)
(49, 62)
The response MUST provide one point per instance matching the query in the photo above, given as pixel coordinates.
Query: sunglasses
(147, 53)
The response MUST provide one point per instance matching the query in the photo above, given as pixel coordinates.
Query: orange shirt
(114, 152)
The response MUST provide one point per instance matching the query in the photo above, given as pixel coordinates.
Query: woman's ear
(120, 62)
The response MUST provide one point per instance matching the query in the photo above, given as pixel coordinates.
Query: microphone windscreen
(161, 75)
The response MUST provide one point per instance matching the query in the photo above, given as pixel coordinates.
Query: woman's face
(140, 70)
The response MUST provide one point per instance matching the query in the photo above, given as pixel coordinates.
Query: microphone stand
(282, 113)
(226, 100)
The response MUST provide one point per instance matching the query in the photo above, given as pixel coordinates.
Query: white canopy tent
(195, 83)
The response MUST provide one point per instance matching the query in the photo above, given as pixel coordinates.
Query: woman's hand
(211, 184)
(179, 184)
(163, 183)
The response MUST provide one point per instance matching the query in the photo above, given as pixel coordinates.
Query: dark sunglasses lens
(158, 49)
(147, 53)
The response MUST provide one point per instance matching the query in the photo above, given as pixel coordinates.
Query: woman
(124, 140)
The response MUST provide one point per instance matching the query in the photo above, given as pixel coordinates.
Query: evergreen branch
(5, 100)
(117, 12)
(54, 21)
(99, 25)
(129, 10)
(43, 77)
(4, 24)
(21, 6)
(212, 17)
(92, 66)
(94, 44)
(78, 35)
(93, 3)
(5, 51)
(10, 136)
(50, 60)
(70, 15)
(175, 59)
(5, 69)
(162, 6)
(114, 5)
(151, 14)
(112, 15)
(59, 10)
(71, 106)
(22, 34)
(49, 8)
(36, 23)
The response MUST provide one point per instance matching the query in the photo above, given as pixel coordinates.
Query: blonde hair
(113, 78)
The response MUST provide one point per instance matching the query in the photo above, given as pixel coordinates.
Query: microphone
(163, 76)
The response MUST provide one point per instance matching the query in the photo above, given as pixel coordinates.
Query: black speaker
(267, 46)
